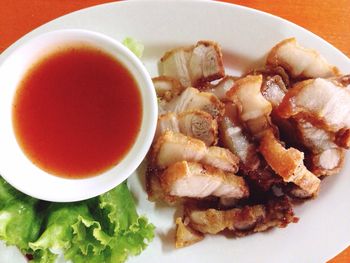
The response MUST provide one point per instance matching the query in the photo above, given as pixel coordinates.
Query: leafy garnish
(134, 46)
(103, 229)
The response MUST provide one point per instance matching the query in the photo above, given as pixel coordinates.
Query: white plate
(245, 36)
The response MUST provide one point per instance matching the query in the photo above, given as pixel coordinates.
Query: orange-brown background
(329, 19)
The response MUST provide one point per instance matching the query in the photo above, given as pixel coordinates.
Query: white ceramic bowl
(19, 171)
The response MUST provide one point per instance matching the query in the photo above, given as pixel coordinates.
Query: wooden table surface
(327, 18)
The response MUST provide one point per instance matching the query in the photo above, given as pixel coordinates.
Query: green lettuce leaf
(43, 256)
(8, 193)
(118, 208)
(130, 233)
(103, 229)
(58, 232)
(118, 233)
(19, 220)
(19, 224)
(134, 46)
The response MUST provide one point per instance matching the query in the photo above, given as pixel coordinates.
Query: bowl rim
(82, 188)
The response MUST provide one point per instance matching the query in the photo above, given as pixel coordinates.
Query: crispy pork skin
(325, 156)
(185, 235)
(241, 221)
(195, 123)
(193, 99)
(288, 163)
(189, 179)
(167, 87)
(325, 103)
(222, 87)
(254, 109)
(300, 62)
(173, 147)
(194, 65)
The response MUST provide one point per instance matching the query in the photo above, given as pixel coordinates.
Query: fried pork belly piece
(300, 62)
(194, 65)
(273, 89)
(175, 64)
(200, 125)
(326, 103)
(295, 192)
(288, 163)
(246, 93)
(173, 147)
(270, 72)
(326, 157)
(167, 87)
(236, 140)
(343, 80)
(189, 179)
(186, 236)
(167, 122)
(237, 220)
(206, 62)
(252, 164)
(253, 107)
(193, 99)
(153, 187)
(241, 221)
(222, 87)
(197, 124)
(221, 158)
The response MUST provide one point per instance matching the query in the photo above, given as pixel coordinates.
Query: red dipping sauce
(77, 112)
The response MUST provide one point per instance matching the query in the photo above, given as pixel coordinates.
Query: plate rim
(5, 52)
